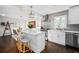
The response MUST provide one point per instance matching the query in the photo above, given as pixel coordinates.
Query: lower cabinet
(63, 38)
(56, 36)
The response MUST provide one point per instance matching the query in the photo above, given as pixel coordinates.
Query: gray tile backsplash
(73, 27)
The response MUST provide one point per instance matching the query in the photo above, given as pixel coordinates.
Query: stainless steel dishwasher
(71, 39)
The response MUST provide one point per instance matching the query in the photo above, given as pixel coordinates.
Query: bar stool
(23, 45)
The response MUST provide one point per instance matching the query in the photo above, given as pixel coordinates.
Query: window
(60, 22)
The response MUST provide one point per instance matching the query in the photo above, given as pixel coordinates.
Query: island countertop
(33, 33)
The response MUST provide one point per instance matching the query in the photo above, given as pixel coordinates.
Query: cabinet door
(56, 36)
(52, 35)
(74, 15)
(61, 37)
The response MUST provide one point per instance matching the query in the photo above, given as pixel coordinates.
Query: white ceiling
(48, 9)
(22, 11)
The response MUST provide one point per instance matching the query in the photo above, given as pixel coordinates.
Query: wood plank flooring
(56, 48)
(8, 45)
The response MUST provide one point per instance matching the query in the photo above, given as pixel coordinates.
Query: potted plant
(30, 25)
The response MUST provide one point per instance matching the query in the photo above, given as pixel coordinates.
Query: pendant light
(31, 15)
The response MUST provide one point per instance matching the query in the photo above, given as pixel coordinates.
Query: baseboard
(56, 43)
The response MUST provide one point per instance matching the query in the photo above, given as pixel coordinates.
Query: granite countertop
(72, 31)
(68, 31)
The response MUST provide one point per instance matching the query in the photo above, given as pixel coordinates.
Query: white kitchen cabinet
(56, 36)
(73, 15)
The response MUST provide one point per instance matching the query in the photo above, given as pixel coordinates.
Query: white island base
(36, 41)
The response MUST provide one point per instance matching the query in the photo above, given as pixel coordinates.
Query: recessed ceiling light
(2, 14)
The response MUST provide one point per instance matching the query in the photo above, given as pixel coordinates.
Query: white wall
(15, 14)
(16, 23)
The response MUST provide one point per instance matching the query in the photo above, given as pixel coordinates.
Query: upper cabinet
(73, 15)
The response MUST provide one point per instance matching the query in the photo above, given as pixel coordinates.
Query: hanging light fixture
(31, 15)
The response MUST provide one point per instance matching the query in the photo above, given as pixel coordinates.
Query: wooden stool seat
(22, 43)
(22, 46)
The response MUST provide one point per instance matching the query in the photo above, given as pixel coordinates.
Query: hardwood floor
(8, 45)
(56, 48)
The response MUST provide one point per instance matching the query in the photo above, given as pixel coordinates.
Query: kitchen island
(36, 40)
